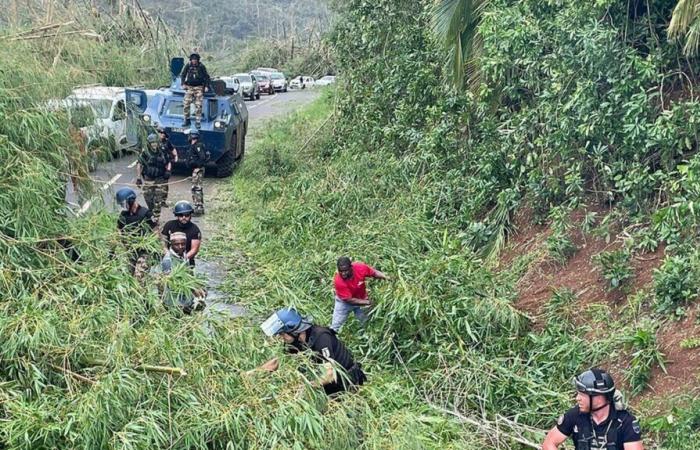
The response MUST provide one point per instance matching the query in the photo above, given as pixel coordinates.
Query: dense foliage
(581, 105)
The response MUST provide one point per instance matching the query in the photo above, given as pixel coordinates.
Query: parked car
(302, 82)
(107, 120)
(279, 81)
(325, 81)
(233, 85)
(249, 85)
(265, 84)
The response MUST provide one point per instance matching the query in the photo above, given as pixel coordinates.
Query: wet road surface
(113, 175)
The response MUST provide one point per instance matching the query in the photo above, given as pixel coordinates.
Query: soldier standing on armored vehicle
(194, 79)
(196, 160)
(153, 169)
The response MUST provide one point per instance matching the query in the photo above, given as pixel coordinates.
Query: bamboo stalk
(162, 369)
(77, 376)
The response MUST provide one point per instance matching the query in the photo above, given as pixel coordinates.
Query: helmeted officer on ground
(599, 421)
(300, 334)
(134, 221)
(167, 147)
(195, 80)
(183, 224)
(153, 169)
(197, 157)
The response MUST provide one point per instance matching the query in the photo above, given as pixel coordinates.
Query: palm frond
(455, 23)
(685, 22)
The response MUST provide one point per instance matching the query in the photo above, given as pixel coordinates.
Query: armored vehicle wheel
(257, 96)
(252, 96)
(240, 156)
(225, 165)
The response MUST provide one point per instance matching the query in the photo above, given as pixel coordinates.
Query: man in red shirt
(351, 291)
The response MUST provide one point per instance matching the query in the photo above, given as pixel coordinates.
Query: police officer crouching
(599, 421)
(134, 222)
(300, 334)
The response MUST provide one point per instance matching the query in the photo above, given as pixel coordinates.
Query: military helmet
(285, 320)
(595, 382)
(194, 134)
(194, 56)
(183, 207)
(152, 138)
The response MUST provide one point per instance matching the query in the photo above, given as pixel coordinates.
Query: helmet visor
(272, 325)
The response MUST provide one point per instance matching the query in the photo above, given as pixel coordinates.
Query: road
(112, 175)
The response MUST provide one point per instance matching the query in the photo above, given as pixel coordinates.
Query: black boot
(198, 124)
(186, 122)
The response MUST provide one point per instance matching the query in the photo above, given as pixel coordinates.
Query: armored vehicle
(224, 120)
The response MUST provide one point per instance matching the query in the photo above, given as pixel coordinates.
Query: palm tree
(686, 22)
(456, 22)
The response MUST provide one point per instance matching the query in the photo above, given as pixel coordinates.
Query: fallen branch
(77, 376)
(162, 369)
(38, 30)
(486, 428)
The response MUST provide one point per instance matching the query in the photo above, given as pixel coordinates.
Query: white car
(108, 119)
(279, 81)
(233, 84)
(325, 81)
(302, 82)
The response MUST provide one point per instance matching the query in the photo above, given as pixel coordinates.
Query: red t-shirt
(355, 286)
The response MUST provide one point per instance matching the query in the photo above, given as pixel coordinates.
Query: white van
(108, 106)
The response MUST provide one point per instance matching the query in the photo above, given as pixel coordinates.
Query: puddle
(218, 309)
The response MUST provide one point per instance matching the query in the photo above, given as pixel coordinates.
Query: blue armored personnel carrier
(223, 127)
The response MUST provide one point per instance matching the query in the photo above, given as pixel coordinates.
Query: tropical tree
(686, 22)
(456, 24)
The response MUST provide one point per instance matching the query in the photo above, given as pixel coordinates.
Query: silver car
(279, 81)
(249, 85)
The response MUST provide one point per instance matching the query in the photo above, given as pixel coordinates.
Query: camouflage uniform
(196, 159)
(155, 184)
(196, 92)
(194, 78)
(155, 193)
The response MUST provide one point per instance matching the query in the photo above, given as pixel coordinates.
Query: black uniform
(190, 229)
(619, 428)
(194, 75)
(197, 156)
(141, 223)
(326, 346)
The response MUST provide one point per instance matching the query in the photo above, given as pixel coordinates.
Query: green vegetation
(615, 267)
(579, 106)
(676, 283)
(646, 355)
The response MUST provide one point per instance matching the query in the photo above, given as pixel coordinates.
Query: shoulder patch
(635, 427)
(325, 352)
(560, 420)
(575, 428)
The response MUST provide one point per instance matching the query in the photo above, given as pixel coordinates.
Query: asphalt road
(112, 175)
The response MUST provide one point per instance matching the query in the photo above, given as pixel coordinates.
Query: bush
(676, 283)
(615, 267)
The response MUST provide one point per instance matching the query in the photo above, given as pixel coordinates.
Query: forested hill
(215, 24)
